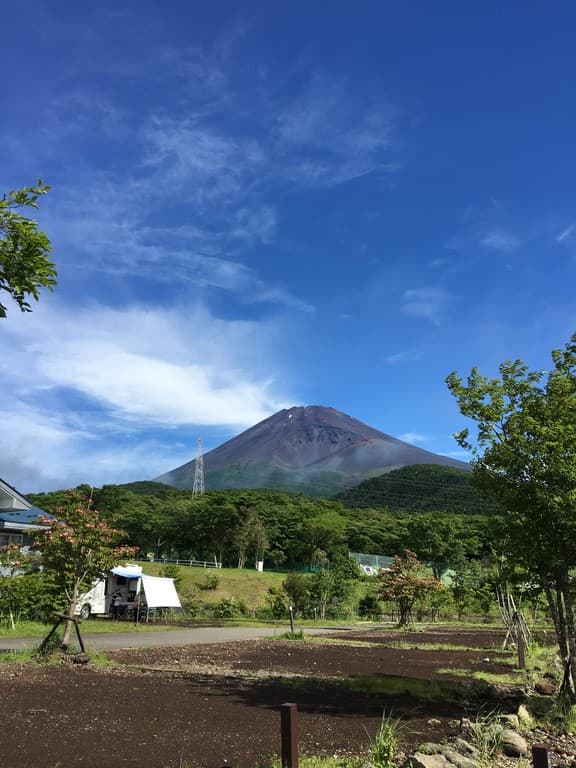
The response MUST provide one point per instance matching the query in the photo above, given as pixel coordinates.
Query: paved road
(147, 639)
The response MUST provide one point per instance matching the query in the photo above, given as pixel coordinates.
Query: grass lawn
(247, 586)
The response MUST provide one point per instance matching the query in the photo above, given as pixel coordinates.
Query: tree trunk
(405, 609)
(69, 621)
(556, 606)
(570, 663)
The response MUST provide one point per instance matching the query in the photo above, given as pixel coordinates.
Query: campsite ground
(216, 704)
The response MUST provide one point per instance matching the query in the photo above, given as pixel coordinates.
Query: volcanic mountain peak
(304, 448)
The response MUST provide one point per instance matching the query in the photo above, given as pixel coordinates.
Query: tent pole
(139, 595)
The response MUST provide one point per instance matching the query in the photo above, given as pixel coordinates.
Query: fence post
(289, 735)
(521, 652)
(541, 757)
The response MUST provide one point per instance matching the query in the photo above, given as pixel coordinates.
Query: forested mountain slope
(419, 488)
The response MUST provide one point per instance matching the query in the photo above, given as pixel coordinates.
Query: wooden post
(46, 640)
(291, 612)
(541, 757)
(288, 715)
(521, 652)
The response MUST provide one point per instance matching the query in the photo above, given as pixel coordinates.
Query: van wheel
(85, 611)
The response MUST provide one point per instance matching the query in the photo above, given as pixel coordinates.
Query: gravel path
(144, 639)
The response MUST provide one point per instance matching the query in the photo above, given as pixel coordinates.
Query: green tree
(12, 564)
(24, 249)
(77, 551)
(525, 457)
(406, 584)
(297, 587)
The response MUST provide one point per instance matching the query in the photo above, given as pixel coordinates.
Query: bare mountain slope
(312, 449)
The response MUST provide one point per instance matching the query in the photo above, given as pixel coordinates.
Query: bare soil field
(217, 705)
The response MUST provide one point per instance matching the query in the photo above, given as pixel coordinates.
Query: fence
(187, 563)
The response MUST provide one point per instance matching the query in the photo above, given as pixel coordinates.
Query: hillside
(313, 450)
(419, 488)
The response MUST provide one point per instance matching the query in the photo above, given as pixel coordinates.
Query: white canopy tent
(159, 591)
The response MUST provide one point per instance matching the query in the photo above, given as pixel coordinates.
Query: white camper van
(127, 589)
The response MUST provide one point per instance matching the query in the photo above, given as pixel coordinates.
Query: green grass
(330, 761)
(386, 742)
(32, 656)
(511, 678)
(298, 634)
(245, 585)
(392, 685)
(90, 626)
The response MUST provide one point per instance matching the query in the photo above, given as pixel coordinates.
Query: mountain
(419, 488)
(314, 450)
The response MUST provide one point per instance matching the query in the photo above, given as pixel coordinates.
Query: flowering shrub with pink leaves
(78, 547)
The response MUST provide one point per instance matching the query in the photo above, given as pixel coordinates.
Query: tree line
(286, 531)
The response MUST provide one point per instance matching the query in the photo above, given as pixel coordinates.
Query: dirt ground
(217, 705)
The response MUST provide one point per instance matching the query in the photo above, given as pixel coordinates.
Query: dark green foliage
(419, 488)
(171, 571)
(24, 249)
(524, 448)
(290, 530)
(276, 604)
(229, 608)
(209, 582)
(370, 607)
(31, 596)
(297, 587)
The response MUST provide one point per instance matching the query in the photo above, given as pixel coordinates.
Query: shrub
(210, 581)
(369, 607)
(229, 608)
(171, 571)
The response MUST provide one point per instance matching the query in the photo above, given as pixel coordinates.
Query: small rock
(524, 716)
(434, 721)
(420, 760)
(466, 725)
(512, 721)
(486, 660)
(430, 748)
(513, 744)
(460, 761)
(465, 748)
(545, 688)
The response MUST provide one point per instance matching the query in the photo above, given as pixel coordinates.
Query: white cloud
(566, 233)
(426, 303)
(255, 225)
(408, 356)
(97, 378)
(413, 438)
(498, 240)
(460, 455)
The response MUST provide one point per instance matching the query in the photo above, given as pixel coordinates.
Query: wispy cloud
(426, 303)
(460, 455)
(413, 438)
(566, 233)
(407, 356)
(498, 240)
(332, 136)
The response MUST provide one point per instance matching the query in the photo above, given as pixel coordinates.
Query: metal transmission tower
(198, 487)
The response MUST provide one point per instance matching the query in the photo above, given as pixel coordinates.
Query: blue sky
(257, 205)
